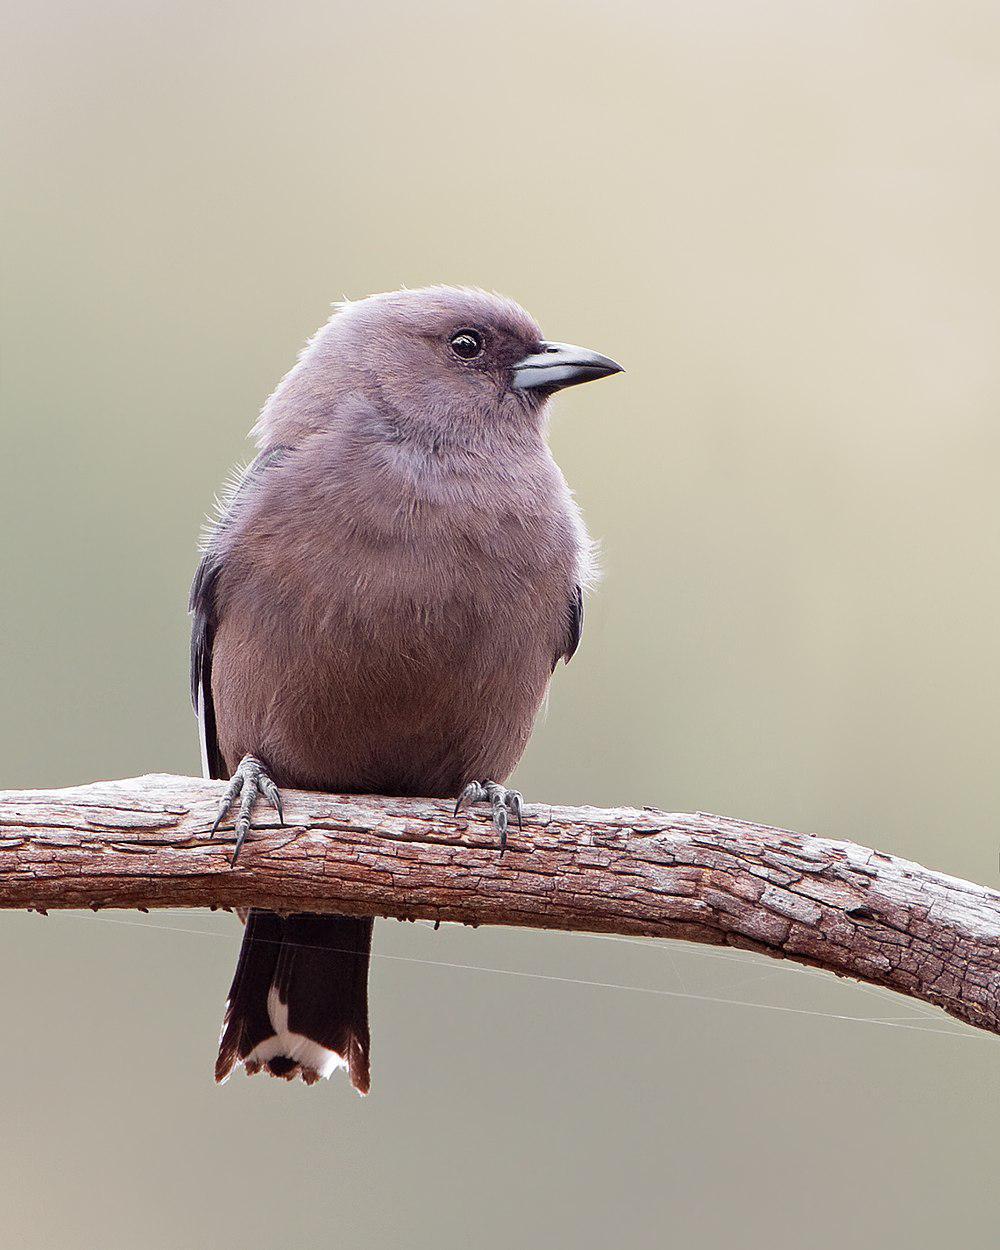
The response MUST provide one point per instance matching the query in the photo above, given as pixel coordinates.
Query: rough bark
(834, 905)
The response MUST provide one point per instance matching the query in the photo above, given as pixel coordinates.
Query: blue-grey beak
(556, 365)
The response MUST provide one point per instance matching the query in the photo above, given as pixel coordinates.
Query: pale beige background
(783, 218)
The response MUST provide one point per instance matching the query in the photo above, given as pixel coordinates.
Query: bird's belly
(399, 702)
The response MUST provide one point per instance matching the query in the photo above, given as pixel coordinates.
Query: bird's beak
(556, 365)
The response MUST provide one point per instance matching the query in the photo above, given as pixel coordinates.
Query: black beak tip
(604, 368)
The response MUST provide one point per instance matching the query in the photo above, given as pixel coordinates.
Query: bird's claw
(501, 800)
(249, 781)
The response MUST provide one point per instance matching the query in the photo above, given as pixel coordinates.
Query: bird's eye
(467, 344)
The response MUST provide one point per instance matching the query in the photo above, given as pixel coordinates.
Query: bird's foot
(502, 801)
(249, 781)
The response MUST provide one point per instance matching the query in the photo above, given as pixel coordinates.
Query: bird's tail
(298, 1005)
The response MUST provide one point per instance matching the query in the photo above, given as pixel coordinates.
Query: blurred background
(782, 217)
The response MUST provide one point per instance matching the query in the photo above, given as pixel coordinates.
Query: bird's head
(450, 363)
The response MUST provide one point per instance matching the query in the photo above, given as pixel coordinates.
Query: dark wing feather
(203, 609)
(574, 633)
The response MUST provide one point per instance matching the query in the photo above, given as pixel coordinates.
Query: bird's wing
(574, 630)
(204, 612)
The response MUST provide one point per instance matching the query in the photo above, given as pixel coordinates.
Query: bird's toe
(503, 803)
(249, 781)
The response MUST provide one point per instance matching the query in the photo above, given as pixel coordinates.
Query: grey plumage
(382, 605)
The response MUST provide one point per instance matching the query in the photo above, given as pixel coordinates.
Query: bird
(380, 604)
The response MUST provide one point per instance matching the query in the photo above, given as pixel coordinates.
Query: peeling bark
(856, 912)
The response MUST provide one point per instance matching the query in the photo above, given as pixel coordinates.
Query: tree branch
(834, 905)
